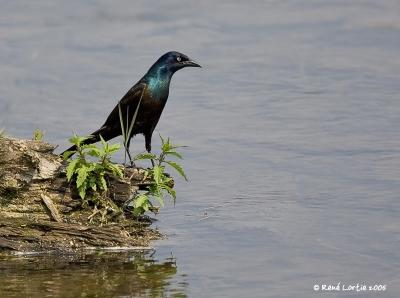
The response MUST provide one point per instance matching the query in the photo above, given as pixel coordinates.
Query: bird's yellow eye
(178, 59)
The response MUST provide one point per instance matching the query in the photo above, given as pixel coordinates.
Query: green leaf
(76, 140)
(173, 153)
(155, 190)
(162, 139)
(140, 200)
(92, 167)
(128, 135)
(82, 191)
(115, 169)
(71, 169)
(91, 183)
(178, 146)
(38, 135)
(104, 143)
(170, 191)
(160, 200)
(157, 174)
(103, 182)
(82, 174)
(93, 186)
(165, 145)
(127, 131)
(95, 152)
(96, 167)
(138, 211)
(145, 155)
(121, 120)
(145, 175)
(146, 206)
(113, 148)
(68, 154)
(88, 146)
(178, 168)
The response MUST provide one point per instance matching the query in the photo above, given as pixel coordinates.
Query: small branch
(95, 211)
(52, 209)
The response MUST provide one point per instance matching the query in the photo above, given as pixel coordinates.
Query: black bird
(152, 91)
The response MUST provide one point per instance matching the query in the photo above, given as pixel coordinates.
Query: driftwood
(39, 210)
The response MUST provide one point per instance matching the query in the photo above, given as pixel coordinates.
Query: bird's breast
(158, 89)
(149, 112)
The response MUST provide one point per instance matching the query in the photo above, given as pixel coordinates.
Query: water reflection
(96, 274)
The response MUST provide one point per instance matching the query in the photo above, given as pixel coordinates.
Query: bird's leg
(130, 158)
(147, 139)
(128, 152)
(125, 157)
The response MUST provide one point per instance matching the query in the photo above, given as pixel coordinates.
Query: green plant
(1, 132)
(161, 183)
(91, 175)
(38, 135)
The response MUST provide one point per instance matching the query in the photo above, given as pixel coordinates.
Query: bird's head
(172, 62)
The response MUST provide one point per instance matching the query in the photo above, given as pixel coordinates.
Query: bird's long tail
(93, 138)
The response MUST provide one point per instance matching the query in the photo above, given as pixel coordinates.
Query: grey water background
(292, 126)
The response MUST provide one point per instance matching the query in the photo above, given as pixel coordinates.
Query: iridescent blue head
(160, 73)
(171, 62)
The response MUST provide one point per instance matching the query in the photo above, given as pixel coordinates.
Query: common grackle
(152, 91)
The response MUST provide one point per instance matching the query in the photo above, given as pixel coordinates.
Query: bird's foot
(130, 164)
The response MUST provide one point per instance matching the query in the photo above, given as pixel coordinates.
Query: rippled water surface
(293, 133)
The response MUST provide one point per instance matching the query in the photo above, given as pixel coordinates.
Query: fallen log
(39, 209)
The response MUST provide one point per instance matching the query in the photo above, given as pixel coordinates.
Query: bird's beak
(191, 63)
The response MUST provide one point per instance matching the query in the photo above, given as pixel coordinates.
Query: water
(116, 274)
(292, 127)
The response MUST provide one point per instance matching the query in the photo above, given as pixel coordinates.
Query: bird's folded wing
(128, 103)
